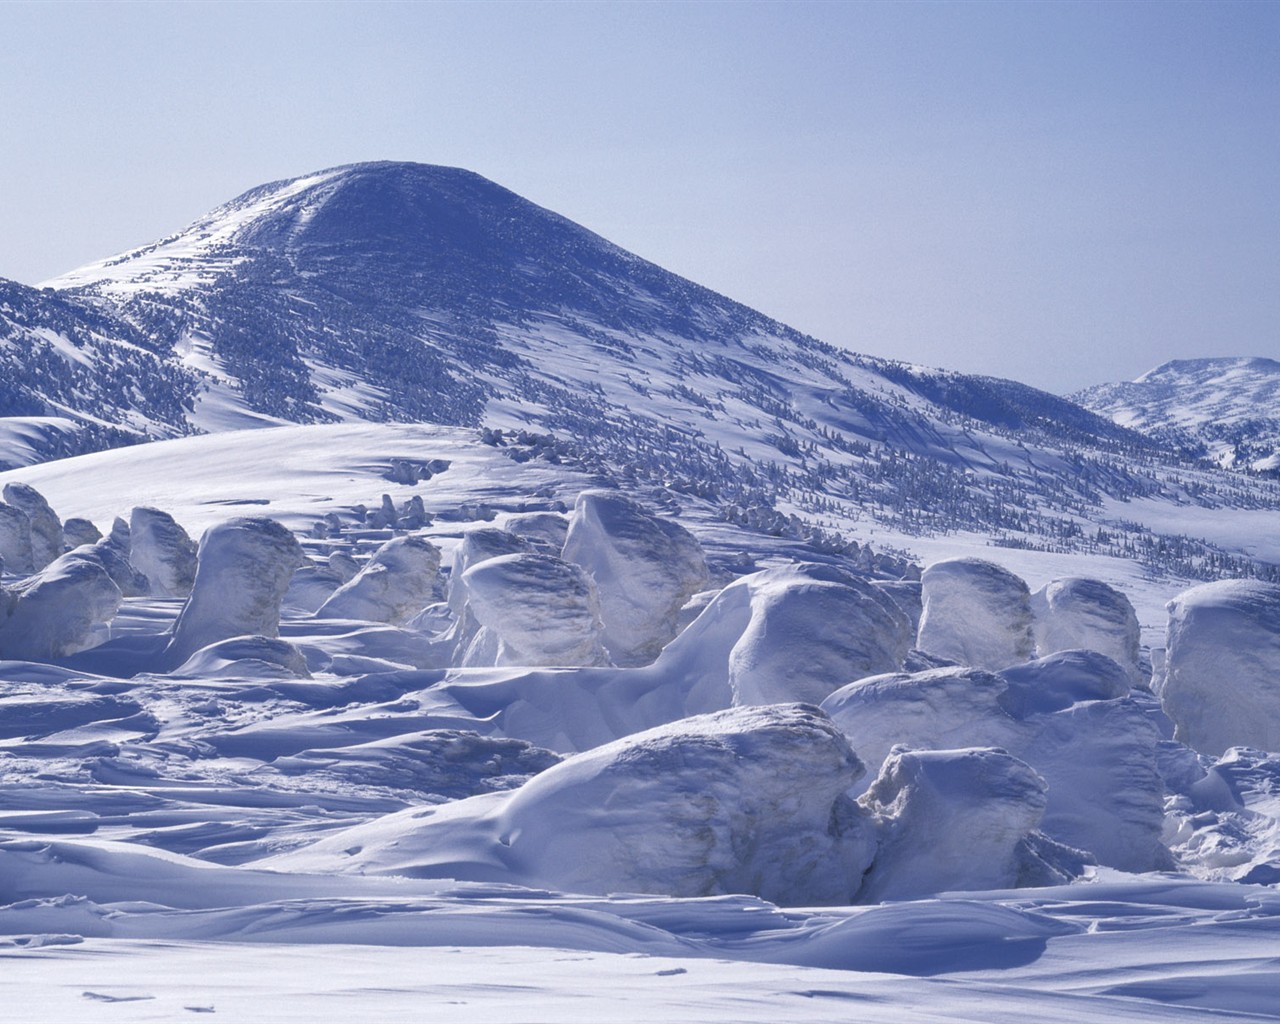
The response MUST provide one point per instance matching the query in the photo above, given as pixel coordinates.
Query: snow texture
(1083, 614)
(160, 549)
(645, 568)
(533, 610)
(1064, 715)
(1222, 666)
(244, 567)
(750, 800)
(955, 819)
(15, 540)
(396, 583)
(46, 528)
(975, 613)
(58, 611)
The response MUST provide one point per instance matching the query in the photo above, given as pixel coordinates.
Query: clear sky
(1061, 193)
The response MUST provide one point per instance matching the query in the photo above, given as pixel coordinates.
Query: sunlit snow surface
(132, 812)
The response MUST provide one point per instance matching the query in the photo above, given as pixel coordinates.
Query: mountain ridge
(407, 292)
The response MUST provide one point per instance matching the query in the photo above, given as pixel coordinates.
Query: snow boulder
(243, 570)
(1065, 715)
(644, 567)
(58, 611)
(1078, 613)
(394, 585)
(533, 610)
(46, 527)
(476, 546)
(956, 820)
(546, 531)
(795, 633)
(1221, 681)
(975, 613)
(750, 800)
(15, 540)
(77, 532)
(160, 549)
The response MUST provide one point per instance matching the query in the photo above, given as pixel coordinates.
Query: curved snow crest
(795, 633)
(1221, 683)
(957, 820)
(749, 800)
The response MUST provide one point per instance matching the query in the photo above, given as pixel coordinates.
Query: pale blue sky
(1061, 193)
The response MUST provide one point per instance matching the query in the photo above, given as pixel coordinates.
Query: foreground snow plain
(135, 812)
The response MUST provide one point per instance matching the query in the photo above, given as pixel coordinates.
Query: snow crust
(1085, 614)
(396, 583)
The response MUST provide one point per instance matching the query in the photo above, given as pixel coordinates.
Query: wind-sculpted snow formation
(58, 611)
(960, 819)
(645, 568)
(1222, 666)
(244, 567)
(160, 549)
(533, 610)
(46, 528)
(750, 800)
(975, 613)
(1067, 716)
(1084, 614)
(396, 583)
(411, 770)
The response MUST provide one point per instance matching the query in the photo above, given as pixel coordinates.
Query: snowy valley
(412, 600)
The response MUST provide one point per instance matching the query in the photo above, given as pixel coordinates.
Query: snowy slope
(1228, 408)
(74, 378)
(406, 292)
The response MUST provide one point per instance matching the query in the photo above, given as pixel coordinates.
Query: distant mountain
(405, 292)
(1225, 409)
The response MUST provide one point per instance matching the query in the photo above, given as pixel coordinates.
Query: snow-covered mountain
(405, 292)
(1226, 409)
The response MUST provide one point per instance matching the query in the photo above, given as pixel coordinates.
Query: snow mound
(46, 528)
(396, 583)
(644, 567)
(246, 657)
(533, 610)
(955, 820)
(1221, 681)
(1064, 715)
(58, 611)
(160, 549)
(975, 613)
(243, 570)
(795, 633)
(750, 800)
(1078, 613)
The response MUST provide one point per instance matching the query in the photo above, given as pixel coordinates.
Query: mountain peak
(1209, 367)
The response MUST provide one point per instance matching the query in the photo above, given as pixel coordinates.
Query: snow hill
(391, 291)
(1226, 409)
